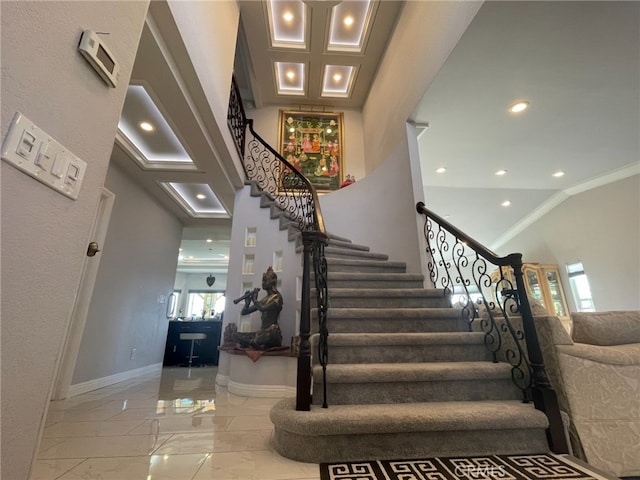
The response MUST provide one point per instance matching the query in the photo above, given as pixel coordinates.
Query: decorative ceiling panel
(349, 24)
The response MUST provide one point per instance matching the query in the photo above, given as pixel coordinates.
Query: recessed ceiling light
(147, 127)
(348, 20)
(518, 107)
(501, 172)
(441, 170)
(209, 240)
(337, 77)
(179, 249)
(558, 174)
(506, 203)
(200, 196)
(291, 75)
(287, 16)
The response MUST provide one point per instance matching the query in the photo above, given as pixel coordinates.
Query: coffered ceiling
(320, 53)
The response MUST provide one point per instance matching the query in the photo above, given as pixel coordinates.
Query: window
(580, 287)
(205, 304)
(172, 304)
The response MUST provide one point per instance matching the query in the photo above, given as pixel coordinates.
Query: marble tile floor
(177, 425)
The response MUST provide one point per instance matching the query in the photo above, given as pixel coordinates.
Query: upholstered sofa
(596, 374)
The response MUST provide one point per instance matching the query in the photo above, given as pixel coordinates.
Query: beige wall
(138, 264)
(601, 229)
(209, 31)
(44, 234)
(424, 37)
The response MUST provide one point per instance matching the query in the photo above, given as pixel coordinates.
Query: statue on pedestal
(269, 335)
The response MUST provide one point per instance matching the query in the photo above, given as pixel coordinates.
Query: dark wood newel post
(303, 384)
(544, 397)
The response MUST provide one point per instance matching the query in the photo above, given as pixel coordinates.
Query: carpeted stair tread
(353, 262)
(407, 417)
(380, 277)
(333, 242)
(332, 251)
(335, 252)
(390, 313)
(405, 339)
(375, 280)
(412, 372)
(386, 292)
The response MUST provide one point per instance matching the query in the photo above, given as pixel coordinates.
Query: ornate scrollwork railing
(480, 285)
(286, 187)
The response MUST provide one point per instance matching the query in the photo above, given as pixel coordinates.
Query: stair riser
(408, 392)
(355, 254)
(391, 325)
(377, 267)
(348, 246)
(373, 283)
(387, 302)
(407, 445)
(341, 244)
(407, 353)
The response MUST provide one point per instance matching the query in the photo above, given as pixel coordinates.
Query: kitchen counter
(177, 351)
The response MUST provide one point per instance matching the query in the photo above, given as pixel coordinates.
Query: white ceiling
(577, 63)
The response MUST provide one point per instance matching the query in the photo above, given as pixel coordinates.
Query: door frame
(76, 325)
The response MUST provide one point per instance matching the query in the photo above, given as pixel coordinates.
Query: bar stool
(193, 337)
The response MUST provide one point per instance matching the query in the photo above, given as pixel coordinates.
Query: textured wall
(139, 259)
(601, 229)
(269, 238)
(44, 234)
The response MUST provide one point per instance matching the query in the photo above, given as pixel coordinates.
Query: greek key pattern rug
(504, 467)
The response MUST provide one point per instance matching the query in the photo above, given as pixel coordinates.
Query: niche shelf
(250, 237)
(248, 264)
(277, 261)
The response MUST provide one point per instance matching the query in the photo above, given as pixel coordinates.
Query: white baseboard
(222, 380)
(97, 383)
(269, 391)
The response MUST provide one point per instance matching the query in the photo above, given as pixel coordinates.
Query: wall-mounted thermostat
(99, 56)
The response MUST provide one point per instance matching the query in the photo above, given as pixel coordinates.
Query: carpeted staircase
(406, 379)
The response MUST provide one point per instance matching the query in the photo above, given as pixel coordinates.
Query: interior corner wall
(44, 234)
(266, 122)
(601, 229)
(425, 35)
(138, 266)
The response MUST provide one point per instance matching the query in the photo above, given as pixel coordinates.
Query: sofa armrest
(610, 355)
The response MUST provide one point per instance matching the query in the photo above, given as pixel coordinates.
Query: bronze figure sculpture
(269, 335)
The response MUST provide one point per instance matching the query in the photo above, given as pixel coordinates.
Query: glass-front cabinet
(542, 283)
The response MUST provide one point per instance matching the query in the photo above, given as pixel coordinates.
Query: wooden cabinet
(177, 351)
(542, 283)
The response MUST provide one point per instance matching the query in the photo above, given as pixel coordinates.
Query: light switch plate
(30, 149)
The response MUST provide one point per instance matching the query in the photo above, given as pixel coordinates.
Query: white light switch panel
(33, 151)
